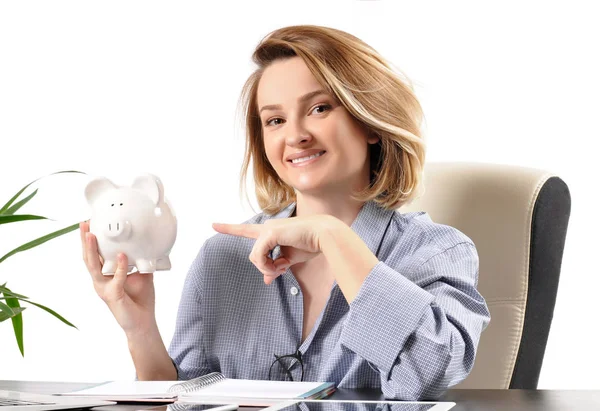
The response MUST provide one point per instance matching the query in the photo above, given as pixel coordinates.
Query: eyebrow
(301, 99)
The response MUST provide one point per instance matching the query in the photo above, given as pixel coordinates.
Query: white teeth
(300, 160)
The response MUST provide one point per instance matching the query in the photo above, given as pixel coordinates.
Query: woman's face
(311, 140)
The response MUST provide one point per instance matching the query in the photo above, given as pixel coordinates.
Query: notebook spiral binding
(179, 407)
(199, 382)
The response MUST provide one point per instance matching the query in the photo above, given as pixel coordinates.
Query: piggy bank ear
(96, 187)
(151, 186)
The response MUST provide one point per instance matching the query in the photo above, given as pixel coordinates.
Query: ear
(96, 187)
(151, 186)
(373, 138)
(372, 135)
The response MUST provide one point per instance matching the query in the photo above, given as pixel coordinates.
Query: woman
(329, 282)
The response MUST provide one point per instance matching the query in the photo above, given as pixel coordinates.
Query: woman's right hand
(129, 297)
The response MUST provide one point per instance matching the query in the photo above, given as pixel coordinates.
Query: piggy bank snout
(117, 229)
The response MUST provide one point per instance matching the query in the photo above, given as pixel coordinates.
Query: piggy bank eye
(112, 205)
(121, 204)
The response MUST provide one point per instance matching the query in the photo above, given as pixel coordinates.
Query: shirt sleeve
(186, 349)
(420, 333)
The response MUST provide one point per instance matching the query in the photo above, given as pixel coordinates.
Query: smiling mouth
(307, 158)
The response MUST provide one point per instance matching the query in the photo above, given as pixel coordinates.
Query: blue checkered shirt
(411, 331)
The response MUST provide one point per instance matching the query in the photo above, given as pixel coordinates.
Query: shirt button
(294, 290)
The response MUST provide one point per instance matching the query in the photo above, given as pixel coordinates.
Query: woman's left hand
(299, 238)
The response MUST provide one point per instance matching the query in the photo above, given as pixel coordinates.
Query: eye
(321, 108)
(121, 204)
(112, 205)
(274, 121)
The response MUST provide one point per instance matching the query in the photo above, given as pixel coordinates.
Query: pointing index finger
(241, 230)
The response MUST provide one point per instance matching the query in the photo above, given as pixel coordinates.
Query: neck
(343, 208)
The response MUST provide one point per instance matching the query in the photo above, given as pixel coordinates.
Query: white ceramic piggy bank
(136, 221)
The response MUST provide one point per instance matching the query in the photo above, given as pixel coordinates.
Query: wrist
(349, 257)
(330, 229)
(142, 334)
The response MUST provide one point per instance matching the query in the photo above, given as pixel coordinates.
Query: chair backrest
(517, 217)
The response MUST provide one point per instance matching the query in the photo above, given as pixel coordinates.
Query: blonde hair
(371, 91)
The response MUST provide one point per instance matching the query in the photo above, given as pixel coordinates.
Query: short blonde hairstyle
(371, 91)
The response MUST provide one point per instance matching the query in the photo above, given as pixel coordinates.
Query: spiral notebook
(211, 387)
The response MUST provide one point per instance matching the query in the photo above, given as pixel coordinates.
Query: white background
(116, 88)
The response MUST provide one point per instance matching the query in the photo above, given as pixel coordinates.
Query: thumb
(121, 272)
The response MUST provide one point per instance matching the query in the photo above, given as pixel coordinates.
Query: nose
(297, 134)
(117, 230)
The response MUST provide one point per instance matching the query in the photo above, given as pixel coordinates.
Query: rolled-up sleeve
(421, 328)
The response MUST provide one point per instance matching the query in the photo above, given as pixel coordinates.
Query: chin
(314, 188)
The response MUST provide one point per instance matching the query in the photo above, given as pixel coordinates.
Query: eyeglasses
(286, 362)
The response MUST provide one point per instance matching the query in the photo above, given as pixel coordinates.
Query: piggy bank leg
(109, 267)
(145, 266)
(163, 263)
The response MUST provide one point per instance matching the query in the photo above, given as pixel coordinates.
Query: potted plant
(10, 301)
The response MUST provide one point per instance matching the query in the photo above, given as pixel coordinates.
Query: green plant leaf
(5, 308)
(16, 311)
(40, 240)
(11, 308)
(17, 322)
(9, 293)
(54, 313)
(20, 204)
(8, 205)
(5, 219)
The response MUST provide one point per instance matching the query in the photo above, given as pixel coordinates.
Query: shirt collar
(371, 224)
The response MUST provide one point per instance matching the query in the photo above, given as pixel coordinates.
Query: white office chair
(517, 217)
